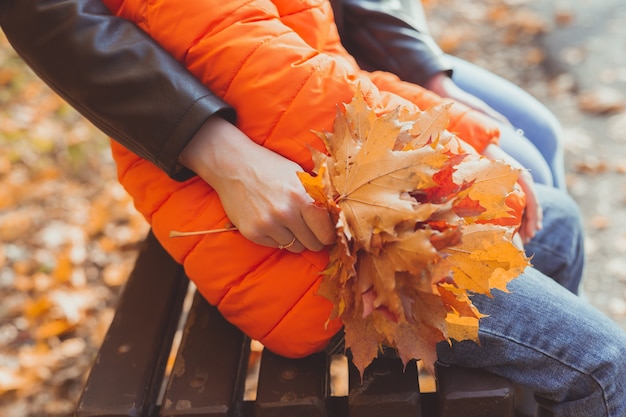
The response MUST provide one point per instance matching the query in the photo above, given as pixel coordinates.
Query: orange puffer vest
(280, 64)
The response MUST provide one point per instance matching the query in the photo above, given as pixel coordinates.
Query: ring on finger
(288, 245)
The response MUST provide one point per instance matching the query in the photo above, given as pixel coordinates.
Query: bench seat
(130, 376)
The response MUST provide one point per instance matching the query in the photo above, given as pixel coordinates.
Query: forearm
(391, 38)
(113, 74)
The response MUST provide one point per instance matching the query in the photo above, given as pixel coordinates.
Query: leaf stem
(176, 233)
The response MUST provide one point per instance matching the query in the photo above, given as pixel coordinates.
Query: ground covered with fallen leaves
(68, 232)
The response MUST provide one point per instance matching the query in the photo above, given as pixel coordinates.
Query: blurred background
(69, 233)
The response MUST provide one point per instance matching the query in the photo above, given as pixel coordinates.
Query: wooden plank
(126, 377)
(292, 387)
(473, 393)
(210, 368)
(387, 389)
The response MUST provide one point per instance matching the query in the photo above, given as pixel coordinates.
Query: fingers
(312, 230)
(533, 214)
(518, 241)
(295, 224)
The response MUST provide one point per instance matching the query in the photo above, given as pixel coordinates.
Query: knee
(569, 212)
(611, 368)
(561, 212)
(558, 249)
(565, 221)
(610, 356)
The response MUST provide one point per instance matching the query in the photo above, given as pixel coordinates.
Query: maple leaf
(414, 212)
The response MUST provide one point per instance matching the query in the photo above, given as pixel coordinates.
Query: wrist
(221, 154)
(203, 141)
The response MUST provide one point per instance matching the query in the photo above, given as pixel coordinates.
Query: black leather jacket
(390, 35)
(135, 92)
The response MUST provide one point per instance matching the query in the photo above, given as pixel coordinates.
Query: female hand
(259, 189)
(533, 213)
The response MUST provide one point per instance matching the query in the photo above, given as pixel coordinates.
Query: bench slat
(126, 377)
(473, 393)
(386, 390)
(209, 371)
(292, 387)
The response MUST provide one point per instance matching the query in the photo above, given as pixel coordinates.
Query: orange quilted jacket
(280, 64)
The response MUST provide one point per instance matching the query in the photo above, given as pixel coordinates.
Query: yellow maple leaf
(490, 182)
(461, 328)
(485, 259)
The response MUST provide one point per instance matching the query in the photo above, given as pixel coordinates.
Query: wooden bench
(209, 372)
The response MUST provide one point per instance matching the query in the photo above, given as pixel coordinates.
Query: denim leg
(558, 249)
(542, 130)
(545, 338)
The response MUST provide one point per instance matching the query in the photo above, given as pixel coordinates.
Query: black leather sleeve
(113, 74)
(390, 35)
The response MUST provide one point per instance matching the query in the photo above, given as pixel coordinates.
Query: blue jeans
(544, 337)
(540, 147)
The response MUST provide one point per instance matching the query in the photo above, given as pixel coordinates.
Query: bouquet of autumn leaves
(415, 218)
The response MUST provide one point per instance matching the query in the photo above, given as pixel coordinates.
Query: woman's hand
(533, 213)
(259, 189)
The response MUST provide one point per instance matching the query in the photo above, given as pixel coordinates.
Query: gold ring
(288, 245)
